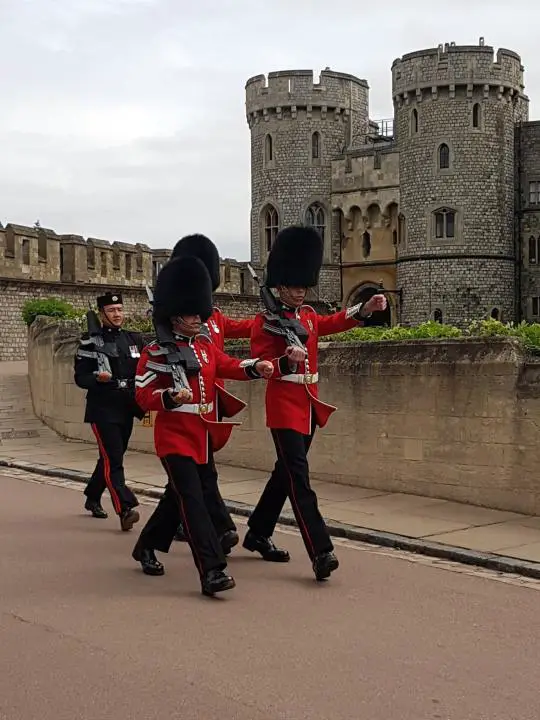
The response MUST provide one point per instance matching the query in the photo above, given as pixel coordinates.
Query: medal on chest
(309, 324)
(204, 356)
(134, 351)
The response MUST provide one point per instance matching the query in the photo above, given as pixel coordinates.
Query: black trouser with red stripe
(290, 478)
(113, 439)
(184, 501)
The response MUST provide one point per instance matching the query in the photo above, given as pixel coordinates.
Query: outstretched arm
(233, 329)
(340, 321)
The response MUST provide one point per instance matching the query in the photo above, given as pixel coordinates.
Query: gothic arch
(362, 293)
(269, 224)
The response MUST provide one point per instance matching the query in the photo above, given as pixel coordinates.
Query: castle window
(270, 226)
(315, 146)
(42, 247)
(268, 149)
(401, 228)
(26, 251)
(394, 237)
(476, 115)
(414, 121)
(535, 306)
(534, 250)
(377, 161)
(128, 266)
(104, 264)
(495, 314)
(437, 315)
(316, 218)
(116, 259)
(227, 273)
(90, 257)
(534, 192)
(243, 282)
(366, 244)
(445, 223)
(139, 262)
(444, 157)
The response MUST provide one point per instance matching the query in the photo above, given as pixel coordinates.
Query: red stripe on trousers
(107, 471)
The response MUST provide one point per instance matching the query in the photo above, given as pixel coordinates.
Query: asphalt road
(84, 634)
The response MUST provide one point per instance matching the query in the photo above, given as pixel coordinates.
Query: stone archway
(378, 319)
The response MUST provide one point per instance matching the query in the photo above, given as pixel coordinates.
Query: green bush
(50, 307)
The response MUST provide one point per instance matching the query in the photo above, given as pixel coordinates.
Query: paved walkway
(24, 439)
(392, 636)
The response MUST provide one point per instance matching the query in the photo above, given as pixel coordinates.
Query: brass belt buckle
(203, 408)
(308, 378)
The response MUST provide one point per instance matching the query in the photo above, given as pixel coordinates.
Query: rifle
(104, 350)
(292, 330)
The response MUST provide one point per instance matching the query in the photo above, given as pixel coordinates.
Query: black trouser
(290, 478)
(220, 516)
(113, 439)
(184, 501)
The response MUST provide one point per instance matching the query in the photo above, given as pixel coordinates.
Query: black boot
(128, 518)
(215, 581)
(266, 548)
(324, 565)
(149, 563)
(229, 540)
(95, 508)
(180, 535)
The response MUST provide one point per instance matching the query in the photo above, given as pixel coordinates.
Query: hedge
(527, 333)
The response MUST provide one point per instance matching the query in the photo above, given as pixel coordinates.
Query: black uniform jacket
(107, 402)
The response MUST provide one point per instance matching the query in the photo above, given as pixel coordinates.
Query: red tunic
(185, 430)
(221, 328)
(292, 401)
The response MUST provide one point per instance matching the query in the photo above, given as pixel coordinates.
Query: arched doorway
(378, 319)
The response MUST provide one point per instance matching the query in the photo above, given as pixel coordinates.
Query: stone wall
(14, 294)
(455, 420)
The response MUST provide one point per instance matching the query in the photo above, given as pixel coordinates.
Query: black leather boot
(95, 508)
(216, 581)
(229, 540)
(128, 518)
(149, 563)
(324, 565)
(265, 547)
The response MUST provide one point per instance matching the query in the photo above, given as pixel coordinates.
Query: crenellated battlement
(287, 91)
(450, 65)
(40, 254)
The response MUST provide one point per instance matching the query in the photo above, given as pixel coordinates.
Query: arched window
(444, 157)
(394, 237)
(270, 226)
(445, 223)
(366, 244)
(476, 115)
(268, 148)
(414, 121)
(437, 315)
(533, 250)
(315, 146)
(495, 314)
(316, 218)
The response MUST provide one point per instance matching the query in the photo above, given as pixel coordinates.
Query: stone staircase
(17, 419)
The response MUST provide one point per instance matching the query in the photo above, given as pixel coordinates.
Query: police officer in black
(110, 407)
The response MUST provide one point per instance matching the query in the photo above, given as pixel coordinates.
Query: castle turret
(455, 112)
(297, 127)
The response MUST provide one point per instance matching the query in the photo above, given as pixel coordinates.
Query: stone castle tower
(455, 112)
(297, 127)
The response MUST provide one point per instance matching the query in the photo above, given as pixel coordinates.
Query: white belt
(195, 408)
(307, 379)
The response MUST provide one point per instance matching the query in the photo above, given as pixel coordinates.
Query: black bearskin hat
(295, 258)
(183, 287)
(203, 248)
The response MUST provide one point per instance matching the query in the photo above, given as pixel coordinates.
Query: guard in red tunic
(186, 422)
(219, 327)
(293, 408)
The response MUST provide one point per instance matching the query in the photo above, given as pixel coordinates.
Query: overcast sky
(124, 119)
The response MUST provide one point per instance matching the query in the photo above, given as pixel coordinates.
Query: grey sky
(124, 119)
